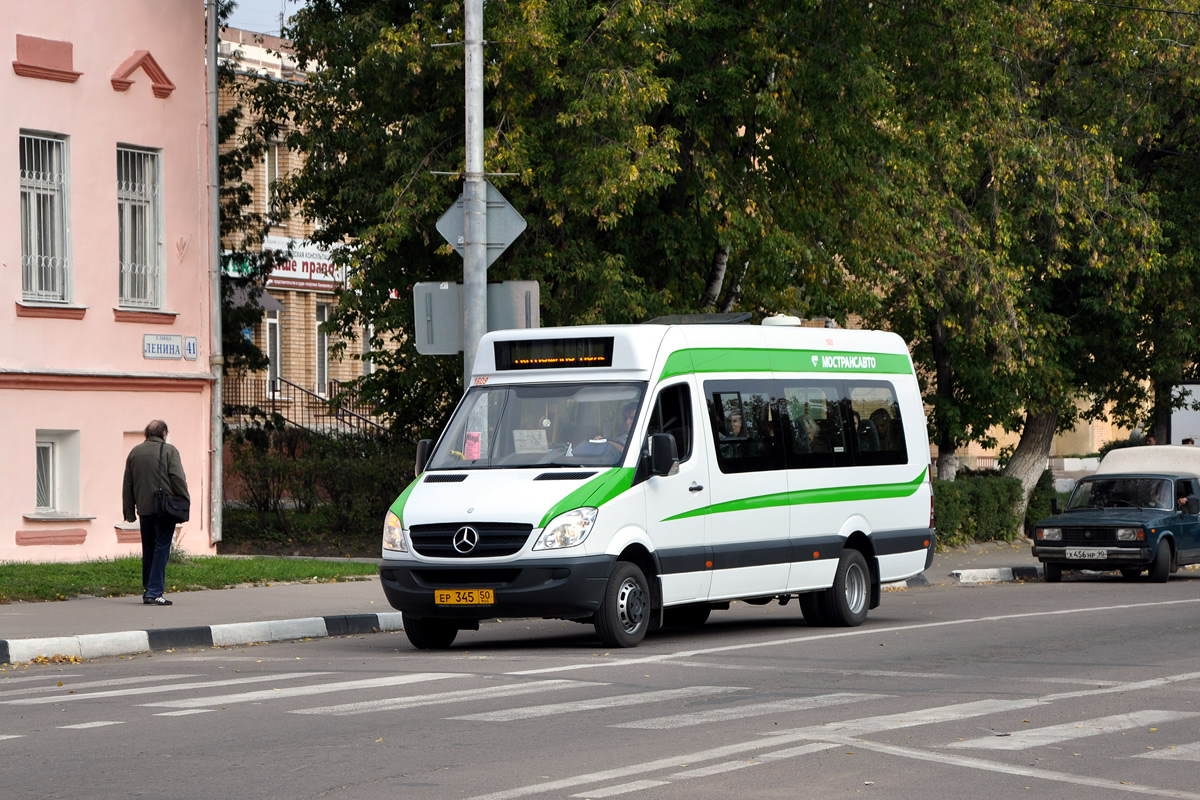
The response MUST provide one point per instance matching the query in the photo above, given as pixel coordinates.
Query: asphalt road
(1085, 689)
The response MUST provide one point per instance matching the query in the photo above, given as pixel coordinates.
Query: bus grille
(495, 539)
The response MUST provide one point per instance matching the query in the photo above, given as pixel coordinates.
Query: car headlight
(566, 530)
(393, 534)
(1130, 535)
(1050, 534)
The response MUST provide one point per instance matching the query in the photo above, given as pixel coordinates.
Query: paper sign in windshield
(530, 441)
(471, 446)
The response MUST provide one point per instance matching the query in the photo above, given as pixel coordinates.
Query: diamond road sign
(504, 224)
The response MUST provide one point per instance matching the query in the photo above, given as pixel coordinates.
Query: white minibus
(633, 476)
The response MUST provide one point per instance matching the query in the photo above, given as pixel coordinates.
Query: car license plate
(464, 597)
(1087, 554)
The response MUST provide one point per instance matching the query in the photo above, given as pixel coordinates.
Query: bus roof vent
(783, 320)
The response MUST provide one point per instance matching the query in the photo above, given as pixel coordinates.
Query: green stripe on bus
(836, 494)
(758, 359)
(398, 506)
(593, 494)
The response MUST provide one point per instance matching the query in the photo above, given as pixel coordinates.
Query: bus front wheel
(624, 614)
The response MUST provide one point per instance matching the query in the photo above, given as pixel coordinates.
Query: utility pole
(474, 294)
(217, 358)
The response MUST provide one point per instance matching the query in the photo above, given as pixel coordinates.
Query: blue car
(1137, 513)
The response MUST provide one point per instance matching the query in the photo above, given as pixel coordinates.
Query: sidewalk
(94, 627)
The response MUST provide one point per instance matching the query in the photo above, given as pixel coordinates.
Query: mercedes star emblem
(465, 539)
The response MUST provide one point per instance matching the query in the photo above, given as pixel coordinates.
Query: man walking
(150, 465)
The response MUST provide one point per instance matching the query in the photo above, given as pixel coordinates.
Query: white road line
(1182, 752)
(94, 684)
(943, 757)
(715, 769)
(83, 725)
(32, 678)
(910, 719)
(866, 630)
(792, 752)
(748, 710)
(175, 687)
(624, 788)
(186, 712)
(302, 691)
(531, 712)
(484, 692)
(1151, 683)
(1053, 734)
(14, 736)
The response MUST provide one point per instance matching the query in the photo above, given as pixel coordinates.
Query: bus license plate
(1087, 554)
(464, 597)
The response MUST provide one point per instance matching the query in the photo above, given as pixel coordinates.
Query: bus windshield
(540, 425)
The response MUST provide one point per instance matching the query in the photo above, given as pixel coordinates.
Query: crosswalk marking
(12, 736)
(484, 692)
(715, 769)
(83, 725)
(747, 710)
(1182, 752)
(624, 788)
(174, 687)
(908, 719)
(1052, 734)
(303, 691)
(32, 678)
(95, 684)
(594, 704)
(186, 712)
(793, 752)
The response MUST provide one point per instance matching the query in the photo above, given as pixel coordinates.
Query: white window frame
(141, 241)
(274, 353)
(322, 345)
(45, 218)
(368, 364)
(56, 476)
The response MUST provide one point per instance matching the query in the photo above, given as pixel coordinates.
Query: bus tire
(846, 602)
(812, 607)
(429, 634)
(624, 614)
(689, 616)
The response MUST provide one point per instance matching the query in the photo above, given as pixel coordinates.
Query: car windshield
(539, 425)
(1129, 492)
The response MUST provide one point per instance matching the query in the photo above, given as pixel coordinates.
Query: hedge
(976, 508)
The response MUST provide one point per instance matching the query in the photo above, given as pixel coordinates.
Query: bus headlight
(1130, 535)
(1050, 534)
(393, 534)
(566, 530)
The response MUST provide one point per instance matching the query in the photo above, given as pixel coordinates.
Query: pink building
(104, 264)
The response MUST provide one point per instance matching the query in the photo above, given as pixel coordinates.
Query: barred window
(45, 263)
(139, 227)
(45, 476)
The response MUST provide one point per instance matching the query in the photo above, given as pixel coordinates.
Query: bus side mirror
(423, 448)
(664, 455)
(1054, 507)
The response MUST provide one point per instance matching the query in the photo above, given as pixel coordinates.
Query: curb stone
(120, 643)
(998, 574)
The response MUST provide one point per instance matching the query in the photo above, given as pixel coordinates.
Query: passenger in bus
(733, 427)
(627, 415)
(889, 435)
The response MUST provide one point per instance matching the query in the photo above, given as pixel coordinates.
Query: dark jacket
(143, 475)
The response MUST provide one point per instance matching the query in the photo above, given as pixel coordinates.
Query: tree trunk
(716, 278)
(947, 462)
(1029, 460)
(735, 292)
(1163, 409)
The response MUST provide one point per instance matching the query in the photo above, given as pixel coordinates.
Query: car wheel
(1160, 570)
(1131, 574)
(845, 603)
(624, 613)
(690, 616)
(429, 634)
(1053, 573)
(813, 609)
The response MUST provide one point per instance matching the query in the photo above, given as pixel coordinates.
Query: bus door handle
(695, 487)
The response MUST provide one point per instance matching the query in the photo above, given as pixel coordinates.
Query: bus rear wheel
(845, 603)
(429, 634)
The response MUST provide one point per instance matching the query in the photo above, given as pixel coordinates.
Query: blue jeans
(157, 533)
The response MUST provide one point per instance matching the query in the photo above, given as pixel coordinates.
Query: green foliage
(1120, 444)
(28, 582)
(976, 509)
(317, 493)
(1040, 501)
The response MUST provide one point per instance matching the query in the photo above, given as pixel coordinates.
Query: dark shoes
(156, 601)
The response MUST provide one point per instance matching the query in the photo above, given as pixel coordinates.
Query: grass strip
(29, 582)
